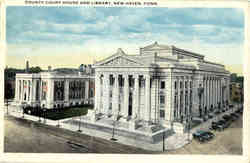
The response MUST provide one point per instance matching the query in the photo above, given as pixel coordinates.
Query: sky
(70, 36)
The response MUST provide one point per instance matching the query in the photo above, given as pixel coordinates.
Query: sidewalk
(172, 142)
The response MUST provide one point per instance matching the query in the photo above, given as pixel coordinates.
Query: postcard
(124, 77)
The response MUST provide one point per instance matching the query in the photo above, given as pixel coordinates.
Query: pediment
(121, 61)
(156, 46)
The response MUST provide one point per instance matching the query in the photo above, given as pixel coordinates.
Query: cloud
(99, 31)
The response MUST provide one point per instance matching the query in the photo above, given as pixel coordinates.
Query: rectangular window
(162, 113)
(162, 84)
(44, 90)
(162, 99)
(91, 94)
(141, 82)
(175, 85)
(185, 84)
(131, 81)
(180, 85)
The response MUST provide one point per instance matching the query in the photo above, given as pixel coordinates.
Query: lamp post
(44, 115)
(113, 132)
(39, 113)
(163, 141)
(79, 127)
(58, 121)
(23, 107)
(7, 104)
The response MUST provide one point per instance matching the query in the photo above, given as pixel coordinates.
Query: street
(26, 136)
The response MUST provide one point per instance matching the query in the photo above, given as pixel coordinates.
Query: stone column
(136, 98)
(21, 91)
(126, 96)
(217, 91)
(106, 93)
(228, 90)
(29, 90)
(212, 91)
(184, 98)
(147, 98)
(16, 90)
(100, 102)
(220, 93)
(33, 90)
(188, 98)
(86, 91)
(115, 98)
(178, 99)
(66, 91)
(97, 92)
(209, 93)
(205, 93)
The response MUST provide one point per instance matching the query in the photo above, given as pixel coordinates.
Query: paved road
(228, 141)
(25, 136)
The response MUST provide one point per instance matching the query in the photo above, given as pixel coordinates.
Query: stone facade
(54, 90)
(162, 85)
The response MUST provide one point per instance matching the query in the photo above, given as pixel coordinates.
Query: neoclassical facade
(54, 89)
(161, 85)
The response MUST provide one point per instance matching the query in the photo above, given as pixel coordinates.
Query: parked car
(234, 115)
(217, 112)
(210, 116)
(233, 118)
(226, 117)
(217, 126)
(225, 123)
(203, 136)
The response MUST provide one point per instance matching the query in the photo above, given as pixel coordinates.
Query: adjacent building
(55, 89)
(162, 85)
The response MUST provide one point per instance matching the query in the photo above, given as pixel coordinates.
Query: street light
(58, 121)
(23, 107)
(163, 141)
(7, 104)
(79, 127)
(44, 115)
(113, 132)
(39, 113)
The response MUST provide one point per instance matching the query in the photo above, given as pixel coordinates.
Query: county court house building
(54, 89)
(162, 85)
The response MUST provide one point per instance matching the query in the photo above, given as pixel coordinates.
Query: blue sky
(98, 32)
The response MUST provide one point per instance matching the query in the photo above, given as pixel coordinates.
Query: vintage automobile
(217, 126)
(203, 136)
(226, 117)
(234, 115)
(225, 123)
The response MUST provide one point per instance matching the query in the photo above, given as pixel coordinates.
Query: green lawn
(64, 113)
(67, 113)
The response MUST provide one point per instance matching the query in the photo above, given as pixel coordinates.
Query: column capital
(147, 76)
(115, 75)
(136, 76)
